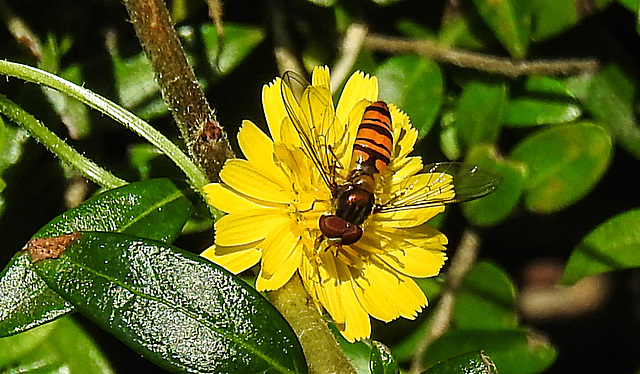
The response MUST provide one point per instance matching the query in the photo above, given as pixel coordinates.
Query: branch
(462, 261)
(478, 61)
(205, 139)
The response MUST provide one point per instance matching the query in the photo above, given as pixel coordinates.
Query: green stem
(56, 145)
(196, 176)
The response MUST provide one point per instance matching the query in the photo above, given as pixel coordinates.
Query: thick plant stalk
(205, 139)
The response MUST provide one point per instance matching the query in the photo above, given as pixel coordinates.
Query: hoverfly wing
(313, 117)
(439, 184)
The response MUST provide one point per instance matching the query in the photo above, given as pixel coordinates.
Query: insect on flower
(331, 194)
(354, 192)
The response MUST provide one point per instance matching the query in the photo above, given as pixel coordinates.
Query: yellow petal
(248, 226)
(320, 76)
(257, 148)
(415, 261)
(396, 291)
(274, 109)
(259, 184)
(224, 198)
(358, 87)
(279, 245)
(357, 325)
(234, 261)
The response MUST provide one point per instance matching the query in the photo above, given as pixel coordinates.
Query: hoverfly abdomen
(374, 142)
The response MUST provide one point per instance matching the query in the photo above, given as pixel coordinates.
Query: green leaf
(543, 85)
(155, 209)
(564, 163)
(610, 100)
(510, 21)
(382, 361)
(613, 245)
(468, 363)
(414, 84)
(553, 17)
(177, 309)
(238, 43)
(486, 300)
(58, 347)
(533, 111)
(513, 351)
(495, 207)
(479, 112)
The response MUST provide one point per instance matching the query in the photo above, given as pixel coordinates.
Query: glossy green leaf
(468, 363)
(632, 5)
(495, 207)
(552, 17)
(57, 347)
(543, 85)
(457, 30)
(155, 209)
(532, 111)
(238, 43)
(382, 362)
(613, 245)
(358, 353)
(479, 112)
(510, 21)
(513, 351)
(563, 163)
(175, 308)
(415, 85)
(610, 100)
(486, 300)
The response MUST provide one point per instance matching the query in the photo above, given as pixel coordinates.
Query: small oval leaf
(414, 84)
(486, 299)
(382, 362)
(531, 111)
(510, 21)
(175, 308)
(468, 363)
(563, 164)
(495, 207)
(613, 245)
(479, 112)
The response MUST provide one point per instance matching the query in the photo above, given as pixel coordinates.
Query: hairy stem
(320, 347)
(205, 139)
(64, 151)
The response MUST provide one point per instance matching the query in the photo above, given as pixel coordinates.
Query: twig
(21, 31)
(203, 135)
(463, 260)
(349, 51)
(478, 61)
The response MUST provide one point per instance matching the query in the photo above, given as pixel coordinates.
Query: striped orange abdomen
(374, 141)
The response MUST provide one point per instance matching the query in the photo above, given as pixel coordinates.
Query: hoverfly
(354, 196)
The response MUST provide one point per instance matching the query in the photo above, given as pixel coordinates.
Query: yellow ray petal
(248, 226)
(278, 246)
(396, 290)
(415, 261)
(320, 76)
(259, 184)
(257, 148)
(234, 261)
(224, 198)
(357, 325)
(284, 269)
(360, 86)
(274, 110)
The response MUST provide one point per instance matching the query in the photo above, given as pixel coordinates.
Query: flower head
(275, 198)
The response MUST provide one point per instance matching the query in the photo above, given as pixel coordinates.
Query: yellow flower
(275, 198)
